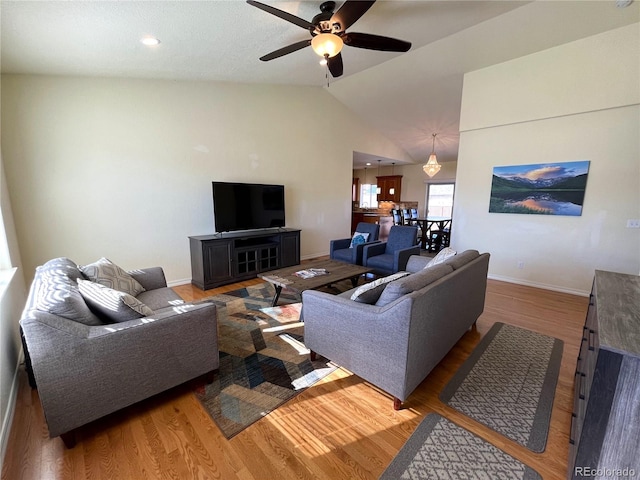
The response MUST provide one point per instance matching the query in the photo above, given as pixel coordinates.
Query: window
(440, 199)
(368, 196)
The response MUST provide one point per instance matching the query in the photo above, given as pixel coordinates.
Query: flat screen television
(247, 206)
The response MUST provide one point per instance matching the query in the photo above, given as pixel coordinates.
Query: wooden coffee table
(336, 271)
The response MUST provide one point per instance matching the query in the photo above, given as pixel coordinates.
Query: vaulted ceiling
(406, 96)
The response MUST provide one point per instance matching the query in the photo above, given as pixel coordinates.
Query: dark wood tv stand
(225, 258)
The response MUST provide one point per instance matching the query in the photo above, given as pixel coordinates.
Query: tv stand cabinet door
(217, 263)
(290, 249)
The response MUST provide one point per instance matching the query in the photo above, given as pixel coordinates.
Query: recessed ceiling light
(368, 164)
(150, 41)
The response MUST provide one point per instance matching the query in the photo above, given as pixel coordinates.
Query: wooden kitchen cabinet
(386, 184)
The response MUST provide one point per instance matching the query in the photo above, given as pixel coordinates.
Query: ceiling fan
(328, 33)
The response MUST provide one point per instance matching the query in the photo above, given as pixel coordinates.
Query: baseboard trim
(11, 408)
(544, 286)
(313, 256)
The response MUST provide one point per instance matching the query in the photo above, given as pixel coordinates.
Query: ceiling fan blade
(294, 47)
(350, 12)
(335, 65)
(284, 15)
(375, 42)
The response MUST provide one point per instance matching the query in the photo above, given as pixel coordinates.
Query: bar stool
(397, 217)
(406, 216)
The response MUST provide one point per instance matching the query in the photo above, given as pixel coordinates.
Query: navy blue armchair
(391, 256)
(341, 249)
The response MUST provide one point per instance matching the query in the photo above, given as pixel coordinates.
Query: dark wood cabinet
(605, 423)
(388, 184)
(290, 248)
(226, 258)
(358, 217)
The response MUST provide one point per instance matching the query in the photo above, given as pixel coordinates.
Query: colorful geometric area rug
(440, 449)
(508, 384)
(263, 360)
(284, 313)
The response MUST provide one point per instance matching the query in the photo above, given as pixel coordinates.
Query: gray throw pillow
(370, 292)
(413, 282)
(113, 305)
(111, 275)
(442, 255)
(62, 266)
(56, 292)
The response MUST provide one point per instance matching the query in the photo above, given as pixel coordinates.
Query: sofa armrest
(335, 327)
(359, 257)
(150, 278)
(324, 311)
(172, 313)
(402, 257)
(339, 244)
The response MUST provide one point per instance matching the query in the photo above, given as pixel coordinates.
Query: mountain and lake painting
(542, 189)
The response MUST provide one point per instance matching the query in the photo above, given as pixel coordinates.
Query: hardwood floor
(341, 428)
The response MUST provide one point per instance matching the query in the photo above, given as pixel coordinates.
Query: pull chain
(326, 63)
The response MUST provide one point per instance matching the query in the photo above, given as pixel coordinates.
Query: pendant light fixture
(392, 190)
(432, 166)
(378, 189)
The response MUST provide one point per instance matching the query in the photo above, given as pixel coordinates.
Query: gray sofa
(86, 366)
(406, 327)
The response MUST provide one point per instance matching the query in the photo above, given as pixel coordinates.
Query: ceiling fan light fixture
(327, 45)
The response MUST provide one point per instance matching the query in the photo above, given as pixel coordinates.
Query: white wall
(123, 168)
(579, 101)
(12, 299)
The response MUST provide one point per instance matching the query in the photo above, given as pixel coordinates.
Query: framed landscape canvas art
(541, 188)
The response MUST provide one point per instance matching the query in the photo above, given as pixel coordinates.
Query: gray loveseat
(418, 318)
(86, 366)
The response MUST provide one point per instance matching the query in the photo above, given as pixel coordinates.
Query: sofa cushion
(55, 291)
(370, 292)
(110, 275)
(113, 305)
(442, 255)
(343, 254)
(160, 298)
(411, 283)
(358, 239)
(462, 258)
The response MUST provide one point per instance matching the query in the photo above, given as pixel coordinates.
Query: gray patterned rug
(440, 449)
(508, 384)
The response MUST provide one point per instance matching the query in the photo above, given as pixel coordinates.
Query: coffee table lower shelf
(336, 272)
